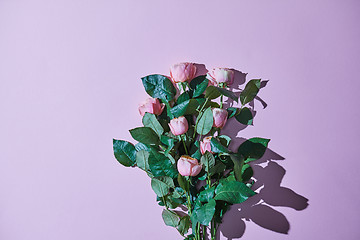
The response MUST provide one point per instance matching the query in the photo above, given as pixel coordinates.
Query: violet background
(70, 82)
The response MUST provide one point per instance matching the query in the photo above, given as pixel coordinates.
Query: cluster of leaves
(225, 177)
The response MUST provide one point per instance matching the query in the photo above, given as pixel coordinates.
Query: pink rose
(205, 145)
(188, 166)
(151, 105)
(220, 117)
(179, 125)
(221, 75)
(182, 72)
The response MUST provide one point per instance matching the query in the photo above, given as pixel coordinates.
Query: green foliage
(160, 165)
(246, 172)
(218, 168)
(227, 93)
(124, 152)
(233, 192)
(183, 183)
(162, 185)
(149, 120)
(207, 160)
(253, 148)
(140, 146)
(245, 116)
(204, 214)
(224, 140)
(238, 161)
(159, 86)
(205, 123)
(145, 135)
(183, 97)
(251, 90)
(213, 92)
(232, 111)
(170, 218)
(217, 147)
(198, 85)
(184, 225)
(206, 194)
(180, 109)
(142, 158)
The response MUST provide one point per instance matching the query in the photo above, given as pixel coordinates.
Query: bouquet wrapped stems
(193, 173)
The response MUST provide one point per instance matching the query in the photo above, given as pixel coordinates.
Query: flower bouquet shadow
(259, 208)
(267, 177)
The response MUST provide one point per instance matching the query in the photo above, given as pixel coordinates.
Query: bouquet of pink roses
(193, 173)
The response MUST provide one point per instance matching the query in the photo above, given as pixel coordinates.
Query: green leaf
(162, 185)
(232, 111)
(224, 140)
(194, 104)
(245, 116)
(145, 135)
(183, 97)
(171, 219)
(173, 203)
(217, 147)
(206, 122)
(206, 195)
(187, 107)
(196, 154)
(160, 165)
(212, 92)
(142, 157)
(227, 93)
(205, 213)
(159, 86)
(207, 160)
(164, 123)
(233, 192)
(218, 168)
(184, 225)
(149, 120)
(220, 210)
(124, 152)
(246, 172)
(168, 141)
(140, 146)
(198, 85)
(183, 183)
(253, 148)
(238, 161)
(180, 109)
(250, 91)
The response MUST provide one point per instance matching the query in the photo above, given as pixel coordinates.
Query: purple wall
(70, 81)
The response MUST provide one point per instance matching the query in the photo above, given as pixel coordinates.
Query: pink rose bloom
(221, 75)
(151, 105)
(205, 145)
(182, 72)
(179, 125)
(188, 166)
(220, 117)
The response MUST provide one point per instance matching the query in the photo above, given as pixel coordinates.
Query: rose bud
(221, 75)
(220, 117)
(151, 105)
(188, 166)
(205, 145)
(182, 72)
(179, 125)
